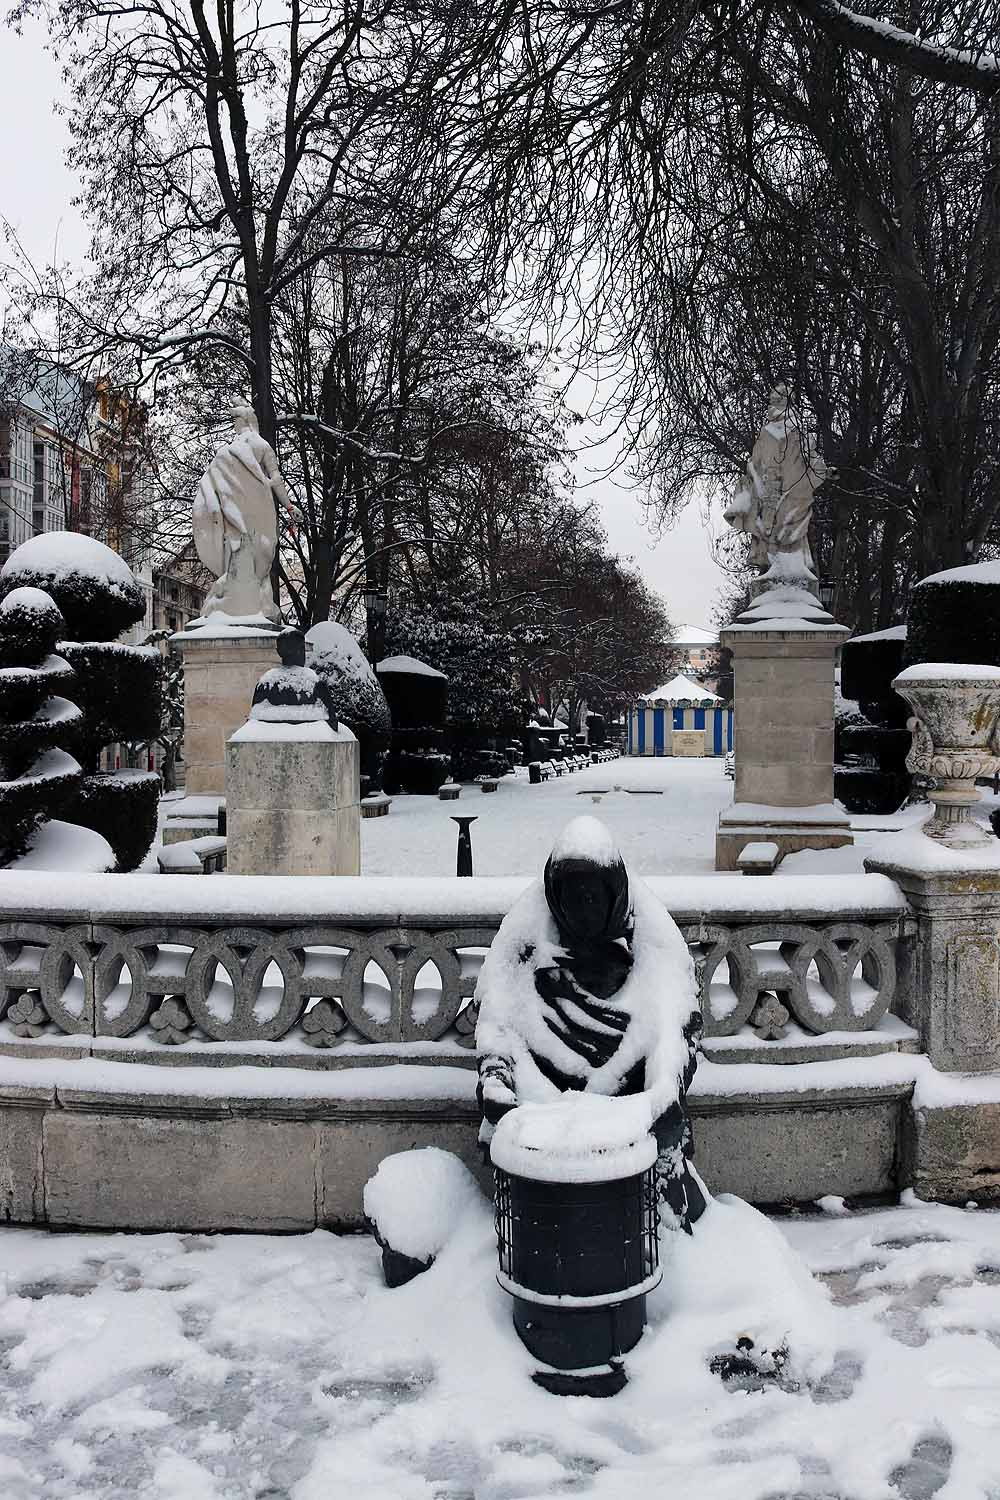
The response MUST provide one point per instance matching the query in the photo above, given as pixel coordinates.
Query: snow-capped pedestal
(292, 779)
(784, 647)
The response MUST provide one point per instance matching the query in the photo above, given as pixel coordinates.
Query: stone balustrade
(333, 972)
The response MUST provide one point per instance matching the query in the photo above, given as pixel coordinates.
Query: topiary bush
(864, 789)
(122, 807)
(92, 586)
(871, 748)
(418, 701)
(37, 775)
(356, 693)
(954, 616)
(118, 687)
(868, 665)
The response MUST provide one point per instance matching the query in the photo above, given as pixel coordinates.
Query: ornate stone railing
(325, 972)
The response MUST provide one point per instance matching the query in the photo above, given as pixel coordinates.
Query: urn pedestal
(784, 649)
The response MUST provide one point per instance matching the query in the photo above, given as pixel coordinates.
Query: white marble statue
(773, 503)
(235, 523)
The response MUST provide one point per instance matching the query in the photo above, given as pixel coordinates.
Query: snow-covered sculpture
(773, 503)
(235, 523)
(292, 693)
(589, 986)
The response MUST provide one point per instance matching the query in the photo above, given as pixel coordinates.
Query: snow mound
(332, 640)
(61, 553)
(26, 597)
(736, 1277)
(947, 671)
(892, 633)
(984, 572)
(67, 846)
(407, 664)
(417, 1199)
(579, 1138)
(586, 838)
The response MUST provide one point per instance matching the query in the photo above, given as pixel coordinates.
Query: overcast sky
(35, 194)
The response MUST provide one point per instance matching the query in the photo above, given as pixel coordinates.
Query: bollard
(463, 864)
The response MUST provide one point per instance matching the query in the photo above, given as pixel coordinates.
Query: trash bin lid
(578, 1138)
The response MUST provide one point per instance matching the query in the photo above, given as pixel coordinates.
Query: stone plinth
(784, 647)
(293, 797)
(955, 985)
(221, 671)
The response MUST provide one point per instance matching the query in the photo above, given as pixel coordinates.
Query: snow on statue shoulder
(589, 986)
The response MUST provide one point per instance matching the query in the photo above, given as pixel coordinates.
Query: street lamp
(827, 591)
(375, 607)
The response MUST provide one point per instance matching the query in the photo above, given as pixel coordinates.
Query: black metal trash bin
(578, 1257)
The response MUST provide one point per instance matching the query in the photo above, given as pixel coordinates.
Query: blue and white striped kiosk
(680, 718)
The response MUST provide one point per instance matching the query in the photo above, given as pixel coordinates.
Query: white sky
(35, 197)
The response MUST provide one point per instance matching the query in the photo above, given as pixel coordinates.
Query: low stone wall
(239, 1053)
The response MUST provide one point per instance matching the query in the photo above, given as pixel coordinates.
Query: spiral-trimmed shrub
(37, 774)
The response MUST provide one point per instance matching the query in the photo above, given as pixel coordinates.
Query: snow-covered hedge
(36, 773)
(121, 806)
(118, 687)
(119, 690)
(92, 586)
(355, 691)
(867, 666)
(954, 616)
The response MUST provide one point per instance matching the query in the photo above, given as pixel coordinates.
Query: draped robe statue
(589, 986)
(235, 522)
(773, 503)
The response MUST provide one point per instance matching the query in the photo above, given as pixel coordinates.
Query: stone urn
(956, 738)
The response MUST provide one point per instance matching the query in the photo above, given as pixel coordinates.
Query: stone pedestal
(784, 647)
(954, 989)
(221, 671)
(951, 1150)
(293, 800)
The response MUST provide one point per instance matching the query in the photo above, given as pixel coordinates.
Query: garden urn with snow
(956, 740)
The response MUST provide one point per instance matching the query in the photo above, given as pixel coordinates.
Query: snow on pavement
(196, 1367)
(662, 813)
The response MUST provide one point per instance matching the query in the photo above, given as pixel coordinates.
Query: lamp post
(375, 606)
(827, 591)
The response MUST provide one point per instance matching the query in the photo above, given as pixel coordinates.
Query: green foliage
(862, 789)
(478, 655)
(36, 776)
(955, 619)
(122, 807)
(94, 609)
(867, 668)
(118, 689)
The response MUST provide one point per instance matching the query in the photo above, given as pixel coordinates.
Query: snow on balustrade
(314, 972)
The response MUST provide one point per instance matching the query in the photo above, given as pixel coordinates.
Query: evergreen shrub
(119, 686)
(122, 807)
(37, 774)
(955, 617)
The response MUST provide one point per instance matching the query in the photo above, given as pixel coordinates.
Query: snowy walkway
(662, 812)
(195, 1368)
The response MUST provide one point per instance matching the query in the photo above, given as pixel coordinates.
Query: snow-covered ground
(190, 1367)
(662, 812)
